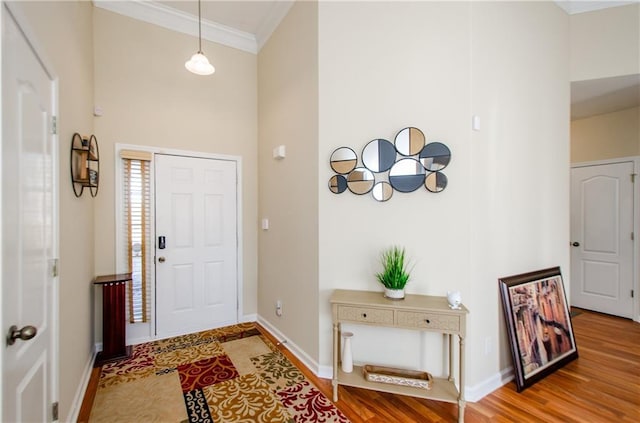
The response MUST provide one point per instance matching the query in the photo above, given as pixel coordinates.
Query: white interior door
(28, 229)
(601, 236)
(196, 272)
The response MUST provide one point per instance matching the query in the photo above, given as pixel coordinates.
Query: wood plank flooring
(602, 385)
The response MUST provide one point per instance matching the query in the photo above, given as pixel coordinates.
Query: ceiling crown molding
(179, 21)
(272, 20)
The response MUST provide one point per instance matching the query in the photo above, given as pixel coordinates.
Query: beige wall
(606, 136)
(148, 98)
(605, 43)
(63, 31)
(387, 65)
(520, 166)
(288, 115)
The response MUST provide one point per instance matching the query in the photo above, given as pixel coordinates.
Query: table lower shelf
(442, 389)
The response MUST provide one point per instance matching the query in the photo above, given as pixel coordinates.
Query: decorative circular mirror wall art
(406, 165)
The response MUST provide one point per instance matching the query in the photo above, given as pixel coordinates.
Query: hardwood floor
(602, 385)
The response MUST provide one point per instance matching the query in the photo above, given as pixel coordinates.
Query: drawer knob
(364, 315)
(427, 320)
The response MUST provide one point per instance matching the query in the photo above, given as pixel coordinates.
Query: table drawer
(365, 315)
(433, 321)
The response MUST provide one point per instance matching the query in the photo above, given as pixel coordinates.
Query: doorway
(196, 280)
(196, 265)
(602, 237)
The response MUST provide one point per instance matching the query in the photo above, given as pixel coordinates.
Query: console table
(114, 319)
(419, 312)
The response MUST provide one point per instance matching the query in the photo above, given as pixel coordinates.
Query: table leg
(336, 352)
(451, 378)
(461, 401)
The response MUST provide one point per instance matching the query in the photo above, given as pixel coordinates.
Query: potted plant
(395, 274)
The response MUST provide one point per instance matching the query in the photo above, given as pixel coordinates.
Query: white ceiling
(606, 95)
(248, 24)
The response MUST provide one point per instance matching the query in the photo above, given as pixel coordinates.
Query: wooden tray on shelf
(413, 378)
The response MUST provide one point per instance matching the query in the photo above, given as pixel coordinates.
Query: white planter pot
(394, 294)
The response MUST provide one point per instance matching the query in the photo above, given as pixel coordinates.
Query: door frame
(14, 10)
(636, 221)
(139, 334)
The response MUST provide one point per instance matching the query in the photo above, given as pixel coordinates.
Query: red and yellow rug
(231, 374)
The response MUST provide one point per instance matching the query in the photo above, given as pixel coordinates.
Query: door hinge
(633, 237)
(54, 268)
(632, 293)
(54, 125)
(54, 411)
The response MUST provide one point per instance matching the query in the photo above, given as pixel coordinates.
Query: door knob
(25, 334)
(575, 244)
(161, 259)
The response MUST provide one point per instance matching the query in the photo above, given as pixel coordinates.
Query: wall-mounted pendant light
(199, 64)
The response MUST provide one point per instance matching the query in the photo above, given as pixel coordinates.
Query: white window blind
(137, 237)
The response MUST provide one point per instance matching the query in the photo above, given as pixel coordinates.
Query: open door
(29, 235)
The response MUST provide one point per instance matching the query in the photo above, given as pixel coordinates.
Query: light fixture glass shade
(199, 64)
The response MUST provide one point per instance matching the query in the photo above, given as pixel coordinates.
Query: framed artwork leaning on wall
(538, 323)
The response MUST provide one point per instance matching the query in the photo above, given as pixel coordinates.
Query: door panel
(33, 385)
(182, 219)
(214, 291)
(213, 220)
(602, 225)
(196, 212)
(600, 209)
(595, 272)
(182, 283)
(28, 238)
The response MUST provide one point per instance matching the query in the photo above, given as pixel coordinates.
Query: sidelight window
(136, 219)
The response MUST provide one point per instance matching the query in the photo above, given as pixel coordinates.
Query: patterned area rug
(231, 374)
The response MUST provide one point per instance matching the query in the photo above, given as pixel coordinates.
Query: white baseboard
(325, 372)
(287, 343)
(480, 390)
(82, 388)
(247, 318)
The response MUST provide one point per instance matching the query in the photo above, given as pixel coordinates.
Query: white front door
(602, 238)
(29, 242)
(196, 272)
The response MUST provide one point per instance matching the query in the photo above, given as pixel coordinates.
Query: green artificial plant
(395, 274)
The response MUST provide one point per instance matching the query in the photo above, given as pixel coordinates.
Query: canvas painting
(539, 324)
